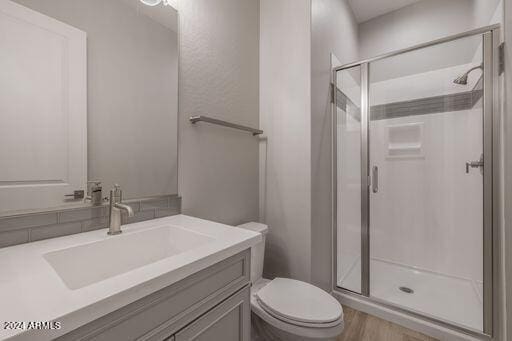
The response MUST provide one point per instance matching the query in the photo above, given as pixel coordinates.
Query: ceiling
(165, 15)
(367, 9)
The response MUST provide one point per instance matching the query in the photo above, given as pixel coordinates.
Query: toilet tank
(257, 251)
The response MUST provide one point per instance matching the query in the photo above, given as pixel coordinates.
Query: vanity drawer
(160, 315)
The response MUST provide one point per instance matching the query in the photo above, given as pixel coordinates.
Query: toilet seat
(299, 303)
(294, 323)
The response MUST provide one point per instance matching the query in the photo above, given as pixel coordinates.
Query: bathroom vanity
(211, 305)
(174, 278)
(90, 102)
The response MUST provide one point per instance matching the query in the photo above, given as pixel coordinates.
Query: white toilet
(287, 309)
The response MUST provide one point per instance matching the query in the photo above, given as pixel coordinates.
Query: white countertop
(31, 290)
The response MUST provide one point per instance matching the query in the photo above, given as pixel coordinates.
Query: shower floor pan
(452, 299)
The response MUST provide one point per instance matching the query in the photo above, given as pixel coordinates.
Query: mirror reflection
(88, 100)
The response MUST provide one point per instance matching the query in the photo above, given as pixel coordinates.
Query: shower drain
(406, 290)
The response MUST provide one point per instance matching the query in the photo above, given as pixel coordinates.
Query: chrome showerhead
(463, 79)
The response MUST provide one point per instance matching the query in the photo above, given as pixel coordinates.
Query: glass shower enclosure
(413, 179)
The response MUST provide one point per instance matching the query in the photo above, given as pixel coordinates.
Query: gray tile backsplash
(164, 212)
(134, 205)
(13, 237)
(94, 224)
(25, 221)
(37, 226)
(52, 231)
(138, 216)
(152, 204)
(82, 214)
(175, 204)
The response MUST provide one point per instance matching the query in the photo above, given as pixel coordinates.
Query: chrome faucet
(115, 208)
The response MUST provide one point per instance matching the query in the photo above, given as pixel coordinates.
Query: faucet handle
(118, 193)
(92, 186)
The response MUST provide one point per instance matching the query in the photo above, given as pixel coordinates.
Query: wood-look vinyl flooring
(360, 326)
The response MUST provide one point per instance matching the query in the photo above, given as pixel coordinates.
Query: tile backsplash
(26, 228)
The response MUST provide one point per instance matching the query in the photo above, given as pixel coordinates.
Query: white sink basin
(75, 279)
(86, 264)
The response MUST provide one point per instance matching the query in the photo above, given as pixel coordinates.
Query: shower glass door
(426, 206)
(348, 151)
(413, 174)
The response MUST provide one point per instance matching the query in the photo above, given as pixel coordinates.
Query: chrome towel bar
(200, 118)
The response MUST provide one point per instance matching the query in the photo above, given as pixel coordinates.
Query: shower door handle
(476, 164)
(375, 179)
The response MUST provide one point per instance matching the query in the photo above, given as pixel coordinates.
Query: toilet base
(262, 331)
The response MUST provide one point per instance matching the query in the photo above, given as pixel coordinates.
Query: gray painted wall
(334, 30)
(132, 94)
(219, 45)
(297, 39)
(285, 43)
(219, 65)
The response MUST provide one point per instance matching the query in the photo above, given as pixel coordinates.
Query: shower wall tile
(421, 106)
(342, 102)
(427, 206)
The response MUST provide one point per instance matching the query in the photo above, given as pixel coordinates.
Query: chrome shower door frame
(491, 133)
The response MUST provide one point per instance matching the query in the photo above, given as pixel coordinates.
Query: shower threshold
(452, 299)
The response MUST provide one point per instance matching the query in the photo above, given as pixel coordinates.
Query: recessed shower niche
(405, 140)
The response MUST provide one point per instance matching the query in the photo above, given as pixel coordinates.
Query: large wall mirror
(88, 92)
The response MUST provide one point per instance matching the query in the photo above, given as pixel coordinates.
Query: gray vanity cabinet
(213, 304)
(227, 322)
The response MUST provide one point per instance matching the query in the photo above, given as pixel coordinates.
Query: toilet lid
(298, 301)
